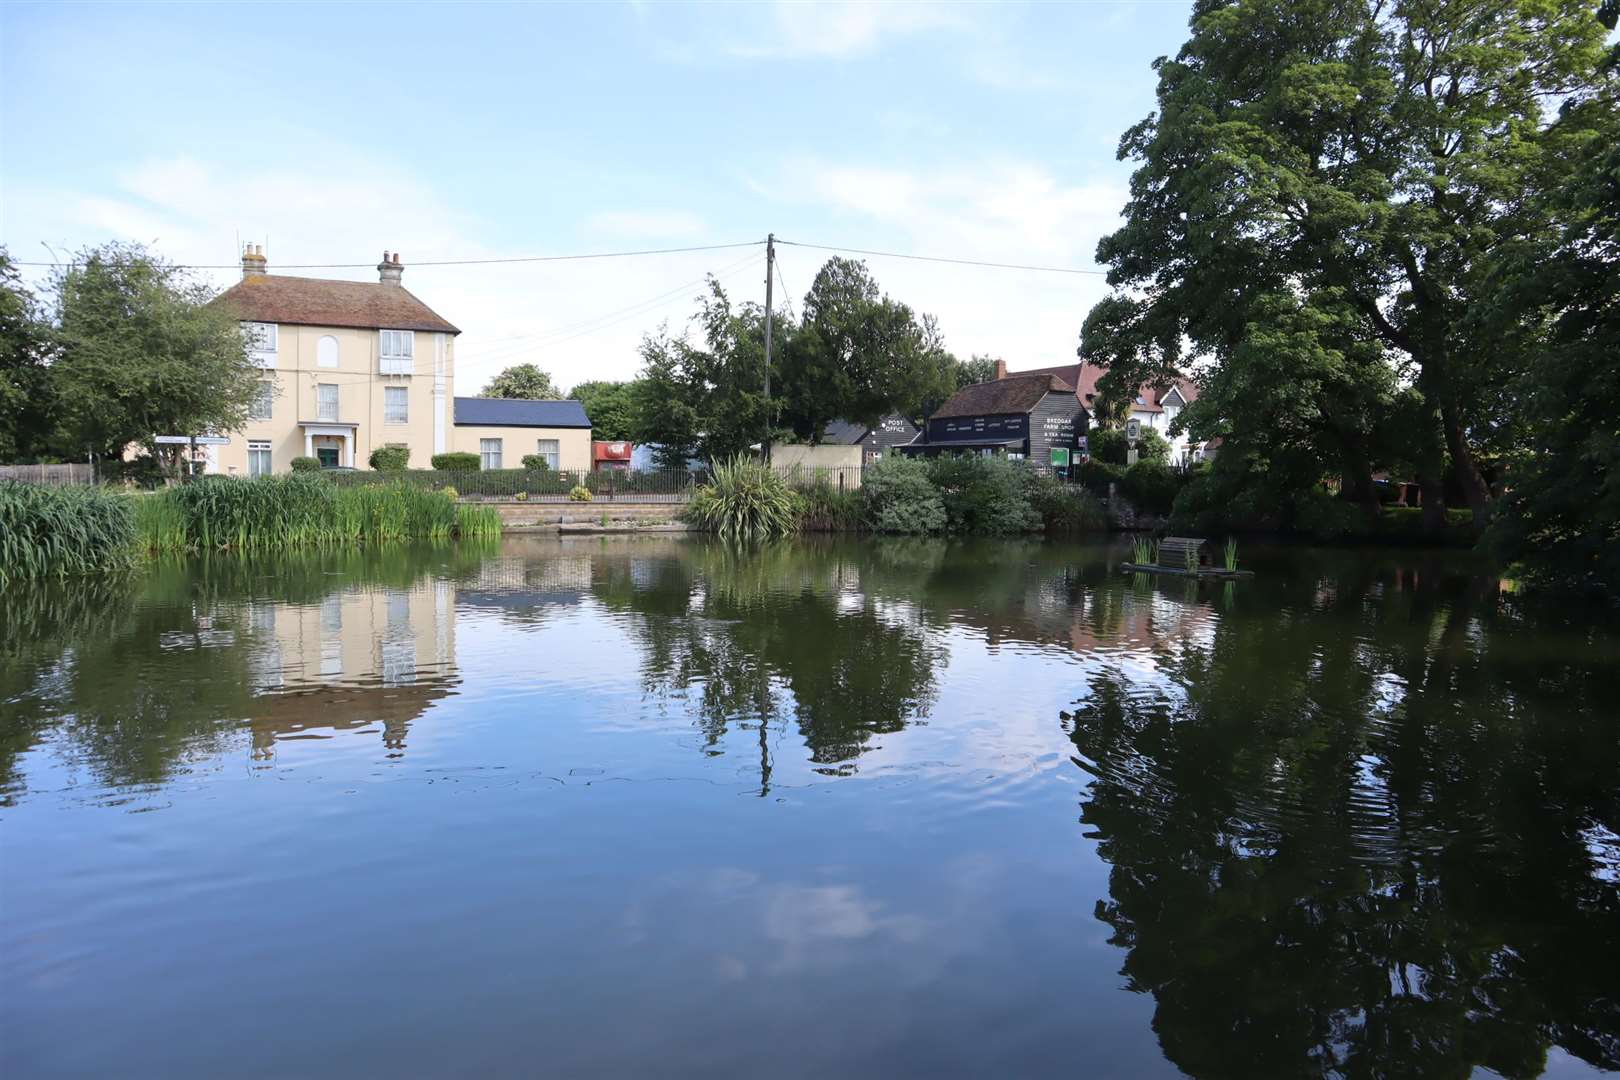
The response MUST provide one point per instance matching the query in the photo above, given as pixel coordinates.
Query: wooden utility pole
(770, 273)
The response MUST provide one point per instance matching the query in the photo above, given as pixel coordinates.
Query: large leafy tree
(612, 407)
(523, 381)
(705, 398)
(141, 352)
(1317, 200)
(858, 355)
(27, 396)
(1563, 504)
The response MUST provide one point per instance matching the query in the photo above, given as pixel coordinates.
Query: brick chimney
(1001, 369)
(254, 264)
(390, 270)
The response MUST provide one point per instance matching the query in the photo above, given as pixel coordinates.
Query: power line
(495, 348)
(552, 338)
(787, 297)
(944, 259)
(442, 262)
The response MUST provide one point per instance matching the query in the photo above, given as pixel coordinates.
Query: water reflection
(790, 632)
(1357, 817)
(134, 677)
(1357, 833)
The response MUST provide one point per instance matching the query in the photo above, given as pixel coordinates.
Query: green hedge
(391, 458)
(306, 464)
(459, 461)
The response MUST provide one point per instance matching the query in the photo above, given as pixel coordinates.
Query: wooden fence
(76, 473)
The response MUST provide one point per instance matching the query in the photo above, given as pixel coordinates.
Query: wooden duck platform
(1173, 556)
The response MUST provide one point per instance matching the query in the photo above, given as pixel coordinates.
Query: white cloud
(578, 320)
(841, 29)
(1008, 211)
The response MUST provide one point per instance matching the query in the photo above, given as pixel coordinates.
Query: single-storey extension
(501, 431)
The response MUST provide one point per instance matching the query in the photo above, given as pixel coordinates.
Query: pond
(630, 806)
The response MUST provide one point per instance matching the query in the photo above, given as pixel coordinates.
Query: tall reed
(60, 531)
(299, 510)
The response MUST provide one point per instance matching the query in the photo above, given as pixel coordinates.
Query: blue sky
(468, 131)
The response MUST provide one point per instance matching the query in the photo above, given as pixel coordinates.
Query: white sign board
(187, 440)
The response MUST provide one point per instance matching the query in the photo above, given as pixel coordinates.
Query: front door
(328, 456)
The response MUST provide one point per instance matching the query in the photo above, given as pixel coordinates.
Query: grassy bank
(65, 531)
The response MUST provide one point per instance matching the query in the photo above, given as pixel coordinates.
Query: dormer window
(396, 351)
(261, 342)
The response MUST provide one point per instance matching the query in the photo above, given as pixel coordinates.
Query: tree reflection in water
(798, 633)
(1335, 851)
(112, 664)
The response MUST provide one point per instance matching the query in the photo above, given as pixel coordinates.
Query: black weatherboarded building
(1022, 416)
(874, 439)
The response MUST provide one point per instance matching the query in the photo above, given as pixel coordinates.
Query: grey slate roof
(844, 433)
(519, 412)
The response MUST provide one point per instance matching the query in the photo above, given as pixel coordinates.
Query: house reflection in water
(356, 659)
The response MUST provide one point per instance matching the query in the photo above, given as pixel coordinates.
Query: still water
(648, 807)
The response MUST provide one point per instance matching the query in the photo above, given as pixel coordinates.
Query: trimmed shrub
(1097, 475)
(1064, 507)
(536, 463)
(898, 497)
(984, 496)
(459, 461)
(306, 464)
(58, 531)
(1151, 486)
(390, 458)
(747, 500)
(1109, 446)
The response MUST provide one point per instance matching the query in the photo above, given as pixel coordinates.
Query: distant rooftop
(278, 298)
(520, 412)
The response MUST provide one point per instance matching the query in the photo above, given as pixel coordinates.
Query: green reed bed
(60, 531)
(270, 513)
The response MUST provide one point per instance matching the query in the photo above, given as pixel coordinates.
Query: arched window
(326, 351)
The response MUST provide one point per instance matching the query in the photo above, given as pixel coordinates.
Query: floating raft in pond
(1181, 571)
(1174, 554)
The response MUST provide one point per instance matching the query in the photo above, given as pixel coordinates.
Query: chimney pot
(253, 261)
(389, 271)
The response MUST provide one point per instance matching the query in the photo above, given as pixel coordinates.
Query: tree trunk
(1472, 480)
(1356, 481)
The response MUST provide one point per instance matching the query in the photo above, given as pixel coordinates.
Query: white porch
(327, 431)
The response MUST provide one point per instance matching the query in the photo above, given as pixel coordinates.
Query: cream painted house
(502, 431)
(347, 367)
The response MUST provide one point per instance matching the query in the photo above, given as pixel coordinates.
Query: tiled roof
(519, 412)
(1083, 377)
(367, 305)
(1015, 394)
